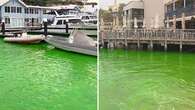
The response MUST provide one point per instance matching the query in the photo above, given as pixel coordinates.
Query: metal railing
(149, 34)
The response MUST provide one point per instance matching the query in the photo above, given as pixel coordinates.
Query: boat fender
(71, 39)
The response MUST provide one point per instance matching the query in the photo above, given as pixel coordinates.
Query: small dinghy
(77, 42)
(25, 39)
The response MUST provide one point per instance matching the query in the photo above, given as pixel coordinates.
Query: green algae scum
(38, 77)
(139, 80)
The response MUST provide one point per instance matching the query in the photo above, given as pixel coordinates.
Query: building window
(7, 20)
(7, 9)
(27, 10)
(189, 2)
(44, 11)
(36, 11)
(26, 20)
(19, 10)
(13, 9)
(31, 11)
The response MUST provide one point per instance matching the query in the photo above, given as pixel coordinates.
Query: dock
(141, 38)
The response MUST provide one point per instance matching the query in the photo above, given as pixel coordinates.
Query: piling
(45, 23)
(3, 28)
(67, 27)
(165, 45)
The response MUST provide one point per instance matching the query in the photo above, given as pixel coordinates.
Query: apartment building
(180, 14)
(133, 10)
(154, 13)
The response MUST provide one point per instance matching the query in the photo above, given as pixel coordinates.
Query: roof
(3, 2)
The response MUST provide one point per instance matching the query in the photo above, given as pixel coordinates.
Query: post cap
(44, 19)
(3, 21)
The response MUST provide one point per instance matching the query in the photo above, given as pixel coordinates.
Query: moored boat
(25, 39)
(77, 42)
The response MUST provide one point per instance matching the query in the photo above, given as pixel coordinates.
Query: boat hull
(24, 40)
(64, 45)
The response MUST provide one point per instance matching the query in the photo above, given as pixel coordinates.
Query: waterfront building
(16, 13)
(105, 25)
(154, 14)
(90, 6)
(117, 13)
(133, 10)
(180, 14)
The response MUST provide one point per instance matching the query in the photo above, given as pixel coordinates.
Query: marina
(66, 19)
(45, 66)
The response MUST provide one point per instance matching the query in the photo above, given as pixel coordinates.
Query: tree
(106, 15)
(51, 2)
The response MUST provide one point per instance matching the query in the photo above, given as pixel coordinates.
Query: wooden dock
(140, 37)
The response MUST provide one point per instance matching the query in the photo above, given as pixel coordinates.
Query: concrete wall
(154, 9)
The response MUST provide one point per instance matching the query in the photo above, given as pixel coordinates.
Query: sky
(104, 4)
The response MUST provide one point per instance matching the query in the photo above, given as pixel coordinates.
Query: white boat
(86, 23)
(25, 39)
(77, 42)
(88, 19)
(74, 18)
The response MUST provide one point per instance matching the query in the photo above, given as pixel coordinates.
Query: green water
(131, 80)
(38, 77)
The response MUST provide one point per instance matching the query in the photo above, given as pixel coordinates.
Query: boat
(88, 18)
(25, 39)
(83, 21)
(73, 15)
(77, 42)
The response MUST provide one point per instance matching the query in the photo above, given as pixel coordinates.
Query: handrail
(178, 34)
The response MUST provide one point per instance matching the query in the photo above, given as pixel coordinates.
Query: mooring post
(45, 23)
(125, 35)
(116, 37)
(166, 35)
(181, 41)
(151, 45)
(3, 27)
(67, 27)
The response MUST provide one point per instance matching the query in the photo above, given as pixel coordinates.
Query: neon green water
(131, 80)
(37, 77)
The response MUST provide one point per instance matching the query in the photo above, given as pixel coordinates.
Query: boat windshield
(67, 12)
(93, 17)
